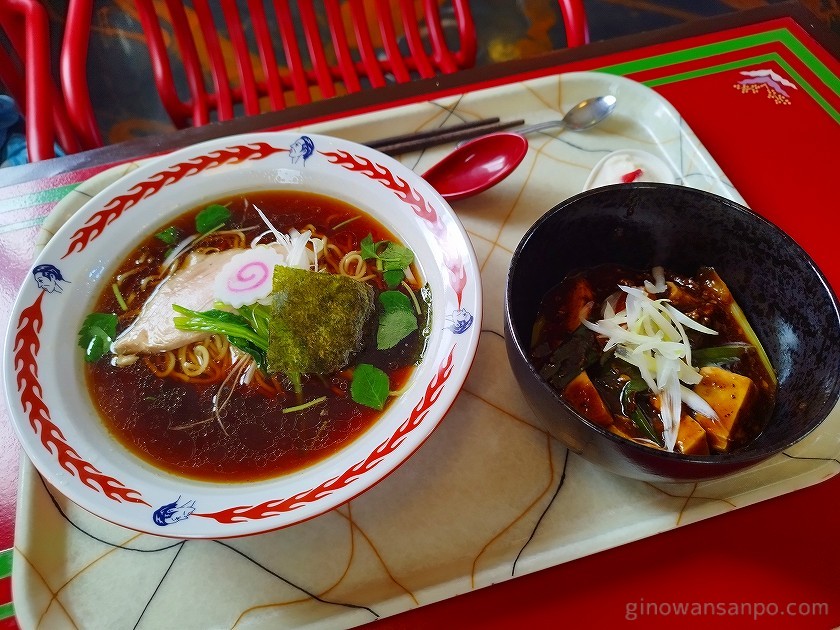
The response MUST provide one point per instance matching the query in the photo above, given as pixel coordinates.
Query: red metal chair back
(247, 56)
(25, 70)
(236, 61)
(574, 19)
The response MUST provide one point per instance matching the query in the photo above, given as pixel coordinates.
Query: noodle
(194, 362)
(153, 363)
(353, 265)
(206, 361)
(123, 276)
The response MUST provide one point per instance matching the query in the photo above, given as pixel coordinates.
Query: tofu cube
(691, 438)
(731, 396)
(581, 394)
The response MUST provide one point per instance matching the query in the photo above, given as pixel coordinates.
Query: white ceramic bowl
(50, 405)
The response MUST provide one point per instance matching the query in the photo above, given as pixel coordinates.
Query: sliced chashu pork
(191, 287)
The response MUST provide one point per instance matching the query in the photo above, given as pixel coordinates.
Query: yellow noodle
(169, 365)
(144, 283)
(124, 276)
(353, 265)
(195, 360)
(332, 256)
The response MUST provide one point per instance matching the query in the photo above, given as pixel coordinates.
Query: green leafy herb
(211, 218)
(632, 410)
(397, 321)
(237, 328)
(395, 256)
(391, 258)
(258, 316)
(571, 358)
(96, 335)
(170, 235)
(368, 247)
(369, 386)
(719, 355)
(393, 277)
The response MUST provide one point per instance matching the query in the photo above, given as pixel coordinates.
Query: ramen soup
(662, 359)
(254, 336)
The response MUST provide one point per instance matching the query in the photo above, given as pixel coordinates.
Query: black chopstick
(416, 135)
(442, 135)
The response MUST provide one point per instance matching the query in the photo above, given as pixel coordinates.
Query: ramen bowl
(786, 299)
(52, 409)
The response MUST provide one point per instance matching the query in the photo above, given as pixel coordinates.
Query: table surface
(765, 562)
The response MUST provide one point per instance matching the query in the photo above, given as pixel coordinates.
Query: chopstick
(396, 145)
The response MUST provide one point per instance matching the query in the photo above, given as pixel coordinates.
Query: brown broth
(254, 439)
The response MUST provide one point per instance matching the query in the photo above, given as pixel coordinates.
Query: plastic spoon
(485, 161)
(477, 165)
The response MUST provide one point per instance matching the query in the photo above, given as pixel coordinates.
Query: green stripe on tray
(49, 195)
(782, 36)
(7, 610)
(6, 563)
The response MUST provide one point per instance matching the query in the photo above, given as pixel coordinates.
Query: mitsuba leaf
(169, 235)
(389, 256)
(393, 277)
(398, 319)
(212, 217)
(369, 386)
(317, 322)
(97, 333)
(395, 256)
(368, 247)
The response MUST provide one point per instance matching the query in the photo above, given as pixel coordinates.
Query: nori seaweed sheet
(318, 320)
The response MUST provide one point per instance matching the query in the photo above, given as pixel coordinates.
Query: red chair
(574, 19)
(25, 70)
(349, 46)
(211, 60)
(74, 83)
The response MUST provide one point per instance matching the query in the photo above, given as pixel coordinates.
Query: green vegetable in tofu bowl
(255, 335)
(662, 359)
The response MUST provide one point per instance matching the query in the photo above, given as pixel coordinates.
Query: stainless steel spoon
(584, 115)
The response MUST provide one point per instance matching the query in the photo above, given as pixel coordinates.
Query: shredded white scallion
(178, 250)
(294, 246)
(650, 334)
(696, 402)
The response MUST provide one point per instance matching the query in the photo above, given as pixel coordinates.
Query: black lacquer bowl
(784, 295)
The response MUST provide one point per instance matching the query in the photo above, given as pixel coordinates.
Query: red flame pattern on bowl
(27, 344)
